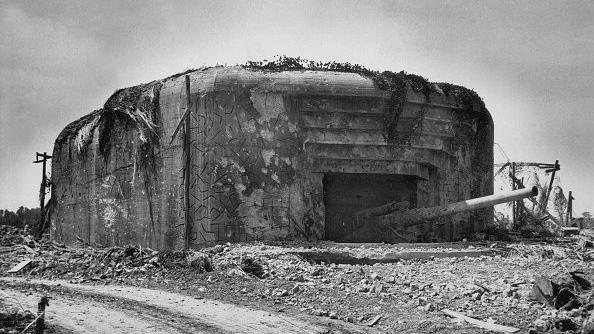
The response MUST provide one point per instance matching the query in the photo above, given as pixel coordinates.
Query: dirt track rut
(122, 309)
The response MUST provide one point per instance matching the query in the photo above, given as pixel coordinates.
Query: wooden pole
(514, 204)
(569, 215)
(188, 167)
(40, 322)
(521, 207)
(555, 168)
(42, 195)
(44, 158)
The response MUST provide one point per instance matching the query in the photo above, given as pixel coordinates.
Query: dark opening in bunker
(345, 194)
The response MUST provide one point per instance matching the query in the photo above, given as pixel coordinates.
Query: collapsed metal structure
(239, 154)
(550, 209)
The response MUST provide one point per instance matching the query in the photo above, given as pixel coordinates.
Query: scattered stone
(565, 325)
(216, 249)
(378, 288)
(319, 313)
(508, 277)
(588, 325)
(296, 278)
(543, 290)
(363, 288)
(333, 315)
(283, 293)
(374, 321)
(584, 243)
(236, 272)
(540, 325)
(421, 301)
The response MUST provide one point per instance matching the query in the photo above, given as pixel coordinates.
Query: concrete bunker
(274, 155)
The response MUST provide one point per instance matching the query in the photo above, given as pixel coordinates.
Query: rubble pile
(391, 287)
(570, 298)
(11, 236)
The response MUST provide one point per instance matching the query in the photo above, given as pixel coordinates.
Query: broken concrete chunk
(20, 266)
(561, 293)
(374, 321)
(317, 272)
(479, 323)
(374, 276)
(543, 290)
(541, 325)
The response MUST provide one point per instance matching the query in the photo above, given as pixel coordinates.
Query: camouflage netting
(128, 123)
(395, 83)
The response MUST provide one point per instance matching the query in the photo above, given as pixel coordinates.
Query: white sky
(531, 61)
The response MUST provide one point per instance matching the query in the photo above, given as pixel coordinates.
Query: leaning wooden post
(555, 168)
(188, 167)
(569, 214)
(40, 322)
(44, 158)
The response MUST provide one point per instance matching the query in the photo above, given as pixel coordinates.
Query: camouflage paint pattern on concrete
(261, 146)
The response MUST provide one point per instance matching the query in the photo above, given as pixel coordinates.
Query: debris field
(530, 285)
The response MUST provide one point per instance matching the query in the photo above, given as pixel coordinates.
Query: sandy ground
(121, 309)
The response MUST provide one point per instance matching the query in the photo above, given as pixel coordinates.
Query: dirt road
(119, 309)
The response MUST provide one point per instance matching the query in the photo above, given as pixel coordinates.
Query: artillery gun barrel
(419, 216)
(383, 209)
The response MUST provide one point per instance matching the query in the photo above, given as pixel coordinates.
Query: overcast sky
(531, 61)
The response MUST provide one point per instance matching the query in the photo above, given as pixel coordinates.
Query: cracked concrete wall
(261, 143)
